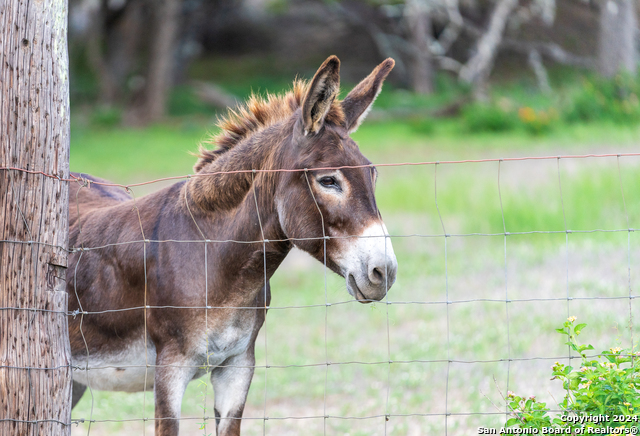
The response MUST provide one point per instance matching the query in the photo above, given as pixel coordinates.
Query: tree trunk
(161, 61)
(112, 47)
(35, 363)
(616, 45)
(419, 23)
(124, 40)
(107, 84)
(477, 69)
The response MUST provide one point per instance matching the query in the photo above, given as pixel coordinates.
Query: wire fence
(437, 355)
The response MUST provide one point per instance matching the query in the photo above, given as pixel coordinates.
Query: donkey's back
(87, 195)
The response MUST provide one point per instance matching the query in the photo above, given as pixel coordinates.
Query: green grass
(125, 153)
(448, 138)
(469, 199)
(135, 155)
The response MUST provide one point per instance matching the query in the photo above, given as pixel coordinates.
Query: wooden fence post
(35, 358)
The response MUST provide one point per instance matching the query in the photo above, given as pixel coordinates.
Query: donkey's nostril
(377, 276)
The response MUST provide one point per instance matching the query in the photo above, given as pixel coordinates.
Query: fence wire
(448, 412)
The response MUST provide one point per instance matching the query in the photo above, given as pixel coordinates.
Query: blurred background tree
(130, 56)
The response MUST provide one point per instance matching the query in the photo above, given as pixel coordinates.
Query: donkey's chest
(225, 343)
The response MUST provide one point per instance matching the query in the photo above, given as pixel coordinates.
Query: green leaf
(512, 421)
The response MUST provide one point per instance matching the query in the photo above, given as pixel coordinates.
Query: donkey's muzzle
(374, 285)
(373, 265)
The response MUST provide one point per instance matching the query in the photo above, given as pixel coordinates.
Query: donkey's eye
(329, 182)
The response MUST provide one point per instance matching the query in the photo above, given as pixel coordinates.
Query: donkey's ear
(323, 90)
(357, 104)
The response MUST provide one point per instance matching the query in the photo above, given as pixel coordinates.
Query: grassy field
(456, 344)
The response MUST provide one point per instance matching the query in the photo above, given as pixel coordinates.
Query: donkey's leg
(231, 383)
(173, 372)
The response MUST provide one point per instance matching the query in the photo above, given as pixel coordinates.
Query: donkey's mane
(256, 114)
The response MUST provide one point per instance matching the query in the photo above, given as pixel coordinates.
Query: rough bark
(477, 69)
(419, 23)
(35, 371)
(616, 44)
(161, 62)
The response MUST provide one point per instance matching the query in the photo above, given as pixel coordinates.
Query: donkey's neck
(257, 244)
(230, 201)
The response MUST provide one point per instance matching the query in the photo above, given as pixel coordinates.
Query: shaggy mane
(255, 115)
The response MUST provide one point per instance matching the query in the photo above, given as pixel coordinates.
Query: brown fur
(131, 258)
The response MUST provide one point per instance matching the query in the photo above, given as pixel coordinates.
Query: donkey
(175, 283)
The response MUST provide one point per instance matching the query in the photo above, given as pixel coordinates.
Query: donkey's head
(330, 209)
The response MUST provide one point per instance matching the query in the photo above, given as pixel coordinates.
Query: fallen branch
(550, 50)
(535, 61)
(480, 64)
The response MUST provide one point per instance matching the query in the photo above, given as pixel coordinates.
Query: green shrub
(605, 389)
(606, 99)
(488, 118)
(183, 101)
(106, 116)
